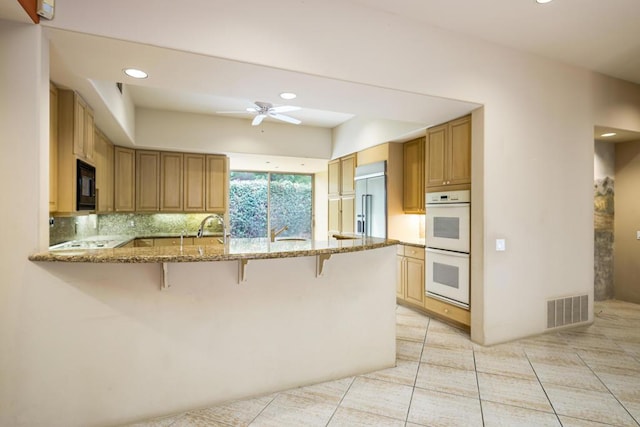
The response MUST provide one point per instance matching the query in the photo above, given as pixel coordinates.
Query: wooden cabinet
(147, 181)
(413, 176)
(76, 124)
(104, 158)
(448, 156)
(217, 183)
(53, 148)
(410, 287)
(74, 141)
(341, 193)
(194, 182)
(124, 179)
(171, 181)
(447, 311)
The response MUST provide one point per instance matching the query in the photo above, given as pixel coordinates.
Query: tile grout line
(542, 386)
(415, 379)
(262, 410)
(475, 369)
(608, 389)
(340, 402)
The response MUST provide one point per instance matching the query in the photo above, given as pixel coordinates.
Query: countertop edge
(194, 254)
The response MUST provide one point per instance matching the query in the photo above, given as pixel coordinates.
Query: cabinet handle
(446, 310)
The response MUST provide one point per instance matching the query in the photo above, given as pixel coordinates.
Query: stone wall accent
(603, 235)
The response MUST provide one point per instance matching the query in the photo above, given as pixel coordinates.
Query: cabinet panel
(79, 110)
(459, 153)
(147, 180)
(414, 272)
(171, 185)
(89, 134)
(194, 182)
(347, 214)
(53, 148)
(103, 154)
(334, 215)
(435, 156)
(347, 175)
(124, 179)
(334, 178)
(448, 311)
(400, 277)
(217, 183)
(413, 181)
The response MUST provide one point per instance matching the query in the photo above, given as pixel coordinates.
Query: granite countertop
(419, 243)
(236, 249)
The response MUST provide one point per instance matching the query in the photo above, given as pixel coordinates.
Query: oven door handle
(449, 253)
(448, 205)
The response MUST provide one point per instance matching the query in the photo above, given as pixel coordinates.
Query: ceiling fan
(266, 109)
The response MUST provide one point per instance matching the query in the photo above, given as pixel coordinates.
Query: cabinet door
(347, 175)
(109, 184)
(217, 183)
(334, 178)
(147, 180)
(124, 179)
(100, 146)
(334, 216)
(89, 134)
(347, 214)
(400, 286)
(459, 152)
(53, 148)
(413, 180)
(194, 182)
(435, 156)
(79, 112)
(171, 181)
(414, 270)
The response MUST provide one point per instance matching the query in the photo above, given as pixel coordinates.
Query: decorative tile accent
(603, 204)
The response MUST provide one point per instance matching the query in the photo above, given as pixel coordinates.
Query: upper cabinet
(147, 181)
(76, 124)
(104, 157)
(75, 141)
(341, 193)
(171, 171)
(124, 179)
(413, 176)
(53, 148)
(217, 183)
(448, 156)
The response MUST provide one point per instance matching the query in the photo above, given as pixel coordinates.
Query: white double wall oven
(448, 242)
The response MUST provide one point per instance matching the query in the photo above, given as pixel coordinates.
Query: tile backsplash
(134, 224)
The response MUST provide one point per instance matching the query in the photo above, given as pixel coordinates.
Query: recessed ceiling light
(543, 1)
(288, 95)
(606, 135)
(135, 73)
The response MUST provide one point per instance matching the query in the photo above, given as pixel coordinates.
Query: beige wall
(627, 223)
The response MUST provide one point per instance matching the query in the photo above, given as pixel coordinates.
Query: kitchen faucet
(275, 232)
(220, 220)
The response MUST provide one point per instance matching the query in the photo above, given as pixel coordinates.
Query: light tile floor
(588, 376)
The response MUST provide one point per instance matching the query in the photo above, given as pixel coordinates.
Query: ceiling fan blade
(286, 118)
(263, 105)
(258, 119)
(252, 109)
(284, 109)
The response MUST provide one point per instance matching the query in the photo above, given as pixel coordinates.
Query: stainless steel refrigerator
(371, 200)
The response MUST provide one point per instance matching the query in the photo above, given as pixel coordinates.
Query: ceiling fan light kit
(266, 109)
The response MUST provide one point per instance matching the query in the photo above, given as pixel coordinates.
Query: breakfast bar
(251, 317)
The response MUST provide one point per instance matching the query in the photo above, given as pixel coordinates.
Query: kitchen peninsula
(304, 312)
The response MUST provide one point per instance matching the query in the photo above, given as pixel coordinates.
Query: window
(260, 201)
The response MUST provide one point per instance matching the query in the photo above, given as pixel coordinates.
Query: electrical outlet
(501, 245)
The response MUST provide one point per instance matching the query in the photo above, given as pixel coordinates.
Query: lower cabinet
(410, 286)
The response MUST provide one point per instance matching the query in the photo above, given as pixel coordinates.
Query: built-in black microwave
(86, 187)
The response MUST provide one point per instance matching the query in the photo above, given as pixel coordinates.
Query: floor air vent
(565, 311)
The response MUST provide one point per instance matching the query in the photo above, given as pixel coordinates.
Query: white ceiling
(603, 36)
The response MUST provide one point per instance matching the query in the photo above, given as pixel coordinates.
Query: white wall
(169, 130)
(363, 132)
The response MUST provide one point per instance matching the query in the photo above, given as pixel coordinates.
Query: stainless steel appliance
(371, 200)
(448, 245)
(85, 187)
